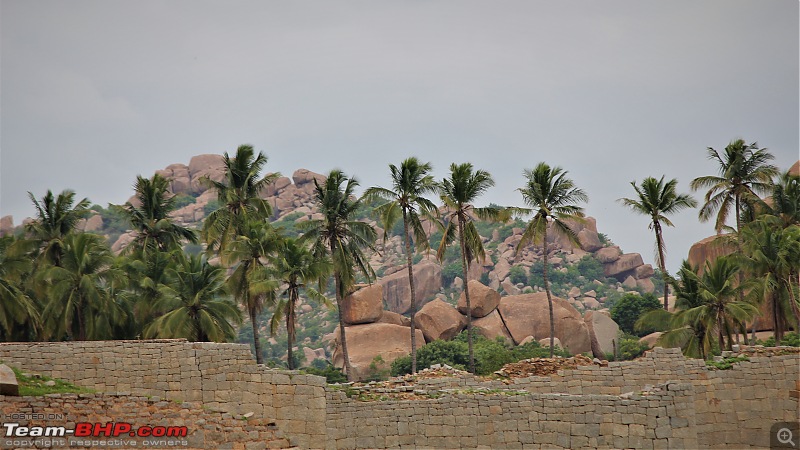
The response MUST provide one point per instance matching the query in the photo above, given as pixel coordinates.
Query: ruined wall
(223, 377)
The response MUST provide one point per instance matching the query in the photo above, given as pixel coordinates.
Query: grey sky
(96, 92)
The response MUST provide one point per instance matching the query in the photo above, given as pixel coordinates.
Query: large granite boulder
(202, 166)
(365, 342)
(439, 320)
(603, 328)
(709, 249)
(364, 305)
(651, 339)
(608, 254)
(589, 240)
(492, 327)
(624, 266)
(304, 176)
(483, 300)
(6, 225)
(528, 315)
(394, 318)
(397, 292)
(8, 381)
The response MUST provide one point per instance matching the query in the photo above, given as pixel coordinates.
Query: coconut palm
(406, 199)
(784, 202)
(296, 267)
(56, 217)
(198, 307)
(341, 237)
(238, 195)
(657, 199)
(458, 193)
(744, 174)
(19, 314)
(155, 229)
(250, 281)
(80, 304)
(550, 195)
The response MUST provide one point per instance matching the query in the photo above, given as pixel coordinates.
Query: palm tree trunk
(290, 329)
(720, 332)
(338, 286)
(81, 326)
(465, 267)
(256, 339)
(661, 264)
(413, 294)
(547, 290)
(777, 323)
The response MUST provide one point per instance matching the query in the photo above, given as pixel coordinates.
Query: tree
(19, 314)
(550, 195)
(238, 197)
(341, 237)
(410, 183)
(657, 199)
(56, 217)
(458, 193)
(296, 267)
(744, 173)
(80, 305)
(627, 310)
(155, 229)
(197, 305)
(784, 202)
(250, 280)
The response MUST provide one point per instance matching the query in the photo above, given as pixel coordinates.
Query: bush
(453, 353)
(450, 272)
(332, 374)
(628, 347)
(590, 268)
(627, 310)
(789, 340)
(517, 275)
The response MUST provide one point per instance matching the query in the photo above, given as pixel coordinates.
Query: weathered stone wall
(222, 376)
(661, 419)
(206, 429)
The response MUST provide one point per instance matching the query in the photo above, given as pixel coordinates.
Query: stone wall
(660, 400)
(206, 429)
(223, 377)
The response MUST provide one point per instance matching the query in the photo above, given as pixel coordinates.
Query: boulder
(8, 381)
(629, 282)
(604, 329)
(501, 269)
(528, 315)
(394, 318)
(590, 303)
(304, 176)
(608, 254)
(276, 186)
(93, 223)
(123, 241)
(795, 169)
(397, 292)
(546, 342)
(6, 225)
(651, 339)
(646, 285)
(642, 272)
(589, 240)
(364, 305)
(202, 166)
(483, 300)
(574, 292)
(509, 287)
(626, 263)
(492, 326)
(439, 320)
(312, 354)
(591, 293)
(365, 342)
(709, 249)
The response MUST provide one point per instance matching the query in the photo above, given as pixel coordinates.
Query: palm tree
(550, 196)
(296, 267)
(155, 229)
(197, 305)
(146, 278)
(56, 217)
(410, 182)
(458, 193)
(657, 200)
(250, 280)
(19, 314)
(80, 304)
(238, 195)
(337, 234)
(771, 256)
(744, 173)
(785, 200)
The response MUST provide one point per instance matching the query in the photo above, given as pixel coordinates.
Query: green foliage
(517, 275)
(590, 268)
(789, 340)
(726, 363)
(628, 347)
(604, 239)
(450, 272)
(484, 279)
(626, 311)
(181, 200)
(34, 385)
(325, 369)
(211, 206)
(378, 370)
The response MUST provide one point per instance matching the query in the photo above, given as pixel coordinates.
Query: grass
(34, 385)
(726, 363)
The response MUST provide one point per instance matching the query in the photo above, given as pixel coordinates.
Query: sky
(93, 93)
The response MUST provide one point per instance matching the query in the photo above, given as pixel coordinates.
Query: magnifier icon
(785, 436)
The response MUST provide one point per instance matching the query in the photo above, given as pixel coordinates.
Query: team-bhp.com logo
(87, 434)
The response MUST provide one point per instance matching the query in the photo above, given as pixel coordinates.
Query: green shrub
(325, 369)
(450, 272)
(629, 307)
(628, 347)
(789, 340)
(726, 363)
(590, 268)
(517, 275)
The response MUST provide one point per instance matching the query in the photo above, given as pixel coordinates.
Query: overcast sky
(96, 92)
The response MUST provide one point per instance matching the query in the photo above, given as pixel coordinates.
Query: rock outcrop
(709, 249)
(491, 327)
(364, 305)
(365, 342)
(396, 290)
(603, 328)
(439, 320)
(528, 315)
(6, 225)
(483, 300)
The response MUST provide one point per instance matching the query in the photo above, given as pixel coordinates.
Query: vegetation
(627, 310)
(35, 385)
(628, 347)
